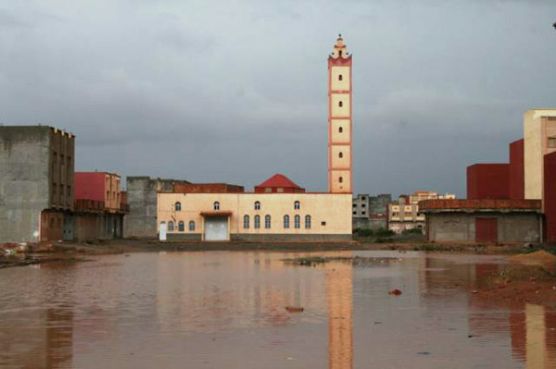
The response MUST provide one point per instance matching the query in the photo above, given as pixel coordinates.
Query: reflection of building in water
(43, 342)
(339, 287)
(254, 289)
(533, 333)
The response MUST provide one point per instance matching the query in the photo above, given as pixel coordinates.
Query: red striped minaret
(339, 119)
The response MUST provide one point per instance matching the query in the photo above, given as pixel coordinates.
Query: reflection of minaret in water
(339, 296)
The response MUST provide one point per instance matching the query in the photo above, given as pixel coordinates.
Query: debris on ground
(395, 292)
(294, 309)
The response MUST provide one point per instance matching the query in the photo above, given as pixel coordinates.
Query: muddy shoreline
(71, 251)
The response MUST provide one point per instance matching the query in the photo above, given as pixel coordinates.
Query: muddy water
(226, 310)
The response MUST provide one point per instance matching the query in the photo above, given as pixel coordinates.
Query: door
(486, 230)
(216, 229)
(162, 231)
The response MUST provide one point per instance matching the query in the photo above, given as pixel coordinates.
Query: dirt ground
(528, 278)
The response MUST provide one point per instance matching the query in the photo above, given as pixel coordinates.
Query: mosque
(277, 209)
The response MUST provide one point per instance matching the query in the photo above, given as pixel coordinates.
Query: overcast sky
(235, 90)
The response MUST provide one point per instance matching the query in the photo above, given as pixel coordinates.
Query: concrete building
(539, 130)
(371, 212)
(278, 209)
(483, 221)
(142, 192)
(36, 183)
(99, 206)
(404, 214)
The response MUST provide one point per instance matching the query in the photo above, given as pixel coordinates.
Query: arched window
(286, 221)
(340, 129)
(170, 226)
(267, 221)
(307, 221)
(177, 206)
(191, 226)
(297, 222)
(246, 222)
(181, 226)
(257, 205)
(296, 205)
(257, 222)
(340, 104)
(341, 179)
(340, 77)
(341, 155)
(216, 205)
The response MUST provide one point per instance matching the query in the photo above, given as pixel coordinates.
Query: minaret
(339, 119)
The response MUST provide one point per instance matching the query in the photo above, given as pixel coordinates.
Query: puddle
(229, 310)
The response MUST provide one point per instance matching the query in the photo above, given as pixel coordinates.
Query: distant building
(539, 130)
(506, 201)
(278, 209)
(483, 221)
(141, 221)
(404, 214)
(36, 183)
(99, 206)
(370, 212)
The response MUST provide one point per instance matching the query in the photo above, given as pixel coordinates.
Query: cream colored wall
(345, 186)
(535, 147)
(335, 83)
(345, 160)
(338, 137)
(338, 111)
(334, 209)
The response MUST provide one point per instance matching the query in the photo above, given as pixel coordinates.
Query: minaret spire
(339, 119)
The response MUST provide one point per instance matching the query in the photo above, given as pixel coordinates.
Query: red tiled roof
(278, 180)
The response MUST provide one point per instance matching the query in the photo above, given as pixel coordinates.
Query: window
(191, 226)
(296, 205)
(177, 206)
(181, 226)
(170, 226)
(340, 104)
(246, 222)
(340, 130)
(323, 223)
(340, 77)
(267, 221)
(286, 221)
(216, 205)
(363, 205)
(341, 155)
(341, 179)
(257, 205)
(257, 222)
(551, 142)
(363, 212)
(297, 222)
(354, 213)
(307, 221)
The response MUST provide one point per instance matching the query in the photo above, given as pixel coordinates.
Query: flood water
(227, 310)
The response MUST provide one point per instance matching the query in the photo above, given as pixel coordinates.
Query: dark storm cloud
(236, 90)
